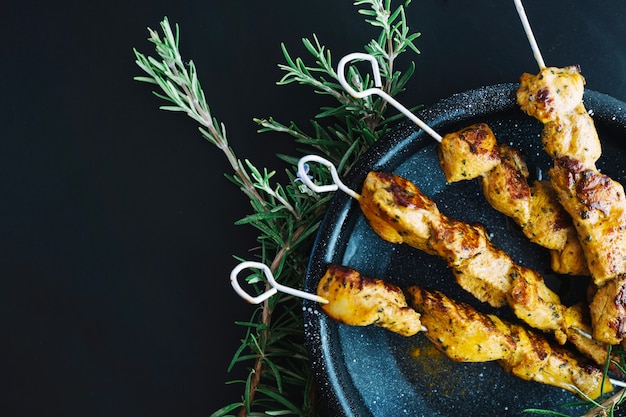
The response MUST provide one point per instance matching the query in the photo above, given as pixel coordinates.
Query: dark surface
(115, 253)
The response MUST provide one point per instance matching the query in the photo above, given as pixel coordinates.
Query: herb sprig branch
(287, 216)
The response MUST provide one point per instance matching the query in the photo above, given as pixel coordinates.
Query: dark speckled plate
(368, 371)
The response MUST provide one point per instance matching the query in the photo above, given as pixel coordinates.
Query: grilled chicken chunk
(468, 153)
(573, 134)
(400, 213)
(608, 311)
(535, 303)
(579, 332)
(506, 188)
(461, 332)
(551, 93)
(357, 300)
(598, 208)
(571, 259)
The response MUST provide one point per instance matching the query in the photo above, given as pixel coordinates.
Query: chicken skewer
(596, 202)
(473, 152)
(400, 213)
(461, 332)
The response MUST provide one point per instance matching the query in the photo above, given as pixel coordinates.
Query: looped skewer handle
(377, 91)
(270, 278)
(337, 184)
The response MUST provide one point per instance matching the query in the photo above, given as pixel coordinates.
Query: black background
(116, 219)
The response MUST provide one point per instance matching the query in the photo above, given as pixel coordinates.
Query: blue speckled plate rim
(321, 335)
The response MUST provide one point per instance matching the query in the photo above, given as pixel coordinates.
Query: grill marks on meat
(598, 207)
(358, 300)
(399, 213)
(473, 152)
(595, 202)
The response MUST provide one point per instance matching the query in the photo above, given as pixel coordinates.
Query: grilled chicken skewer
(400, 213)
(596, 203)
(458, 330)
(473, 152)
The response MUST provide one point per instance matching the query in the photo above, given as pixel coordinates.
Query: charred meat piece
(357, 300)
(535, 359)
(473, 152)
(598, 208)
(506, 188)
(468, 153)
(608, 311)
(551, 93)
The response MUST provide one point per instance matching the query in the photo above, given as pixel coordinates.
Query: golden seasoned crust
(459, 331)
(548, 223)
(531, 299)
(574, 135)
(608, 311)
(570, 260)
(506, 188)
(537, 360)
(358, 300)
(551, 92)
(468, 153)
(598, 208)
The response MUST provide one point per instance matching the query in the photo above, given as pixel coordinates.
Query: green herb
(287, 216)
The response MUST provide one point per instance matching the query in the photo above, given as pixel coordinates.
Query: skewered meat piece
(468, 153)
(579, 332)
(400, 213)
(570, 259)
(357, 300)
(554, 97)
(461, 332)
(598, 207)
(473, 152)
(535, 359)
(608, 311)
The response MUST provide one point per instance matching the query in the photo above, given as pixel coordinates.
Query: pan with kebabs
(411, 374)
(412, 155)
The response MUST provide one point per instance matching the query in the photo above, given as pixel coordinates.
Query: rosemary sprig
(286, 216)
